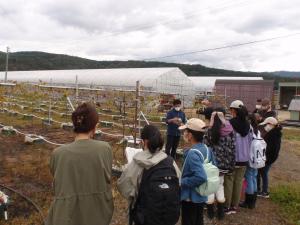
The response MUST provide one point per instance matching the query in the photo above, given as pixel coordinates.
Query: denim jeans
(264, 174)
(251, 178)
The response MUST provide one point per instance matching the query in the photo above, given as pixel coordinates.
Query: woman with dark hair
(220, 139)
(150, 183)
(243, 138)
(82, 175)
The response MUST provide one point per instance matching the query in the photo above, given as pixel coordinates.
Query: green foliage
(287, 196)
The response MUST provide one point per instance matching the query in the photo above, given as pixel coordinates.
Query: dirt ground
(25, 168)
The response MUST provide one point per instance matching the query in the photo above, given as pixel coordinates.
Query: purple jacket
(242, 147)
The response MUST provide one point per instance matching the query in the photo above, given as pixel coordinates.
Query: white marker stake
(5, 215)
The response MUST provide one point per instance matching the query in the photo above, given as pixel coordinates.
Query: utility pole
(50, 101)
(6, 65)
(137, 98)
(77, 92)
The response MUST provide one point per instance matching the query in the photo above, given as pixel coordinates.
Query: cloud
(139, 29)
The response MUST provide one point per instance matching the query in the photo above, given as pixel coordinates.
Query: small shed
(287, 91)
(294, 108)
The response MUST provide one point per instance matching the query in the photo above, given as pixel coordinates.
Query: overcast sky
(142, 29)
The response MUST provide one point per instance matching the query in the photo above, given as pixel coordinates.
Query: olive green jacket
(82, 184)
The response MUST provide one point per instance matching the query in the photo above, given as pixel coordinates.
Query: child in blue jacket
(193, 173)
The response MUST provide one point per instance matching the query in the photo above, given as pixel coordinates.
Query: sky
(143, 29)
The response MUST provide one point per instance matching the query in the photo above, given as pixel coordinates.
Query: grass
(287, 196)
(291, 134)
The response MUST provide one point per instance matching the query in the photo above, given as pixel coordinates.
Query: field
(24, 167)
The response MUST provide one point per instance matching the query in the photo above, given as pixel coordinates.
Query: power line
(141, 27)
(223, 47)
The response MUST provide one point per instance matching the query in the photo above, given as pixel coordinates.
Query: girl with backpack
(257, 160)
(243, 137)
(150, 183)
(220, 139)
(193, 172)
(273, 139)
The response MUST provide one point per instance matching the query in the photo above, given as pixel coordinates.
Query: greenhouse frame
(165, 80)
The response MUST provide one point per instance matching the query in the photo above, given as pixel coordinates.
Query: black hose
(27, 199)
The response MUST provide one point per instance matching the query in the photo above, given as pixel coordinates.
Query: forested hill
(49, 61)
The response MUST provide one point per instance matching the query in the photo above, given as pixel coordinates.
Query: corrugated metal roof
(289, 84)
(208, 83)
(295, 105)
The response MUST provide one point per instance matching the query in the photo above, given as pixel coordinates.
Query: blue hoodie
(193, 173)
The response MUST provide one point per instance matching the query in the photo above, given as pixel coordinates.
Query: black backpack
(158, 201)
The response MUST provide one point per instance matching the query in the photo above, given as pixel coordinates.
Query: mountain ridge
(36, 60)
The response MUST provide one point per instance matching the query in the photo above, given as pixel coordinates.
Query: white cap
(236, 104)
(270, 120)
(220, 115)
(194, 124)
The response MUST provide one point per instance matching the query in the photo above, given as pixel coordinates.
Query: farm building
(286, 92)
(294, 108)
(169, 80)
(248, 91)
(206, 85)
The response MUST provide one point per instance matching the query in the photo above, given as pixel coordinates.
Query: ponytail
(254, 123)
(242, 113)
(153, 135)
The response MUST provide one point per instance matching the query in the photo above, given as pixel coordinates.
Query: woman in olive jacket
(82, 175)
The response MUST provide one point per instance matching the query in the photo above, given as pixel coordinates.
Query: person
(175, 117)
(233, 181)
(193, 173)
(207, 115)
(82, 175)
(251, 172)
(266, 109)
(257, 106)
(147, 203)
(220, 139)
(273, 139)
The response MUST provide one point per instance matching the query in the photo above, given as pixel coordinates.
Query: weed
(287, 196)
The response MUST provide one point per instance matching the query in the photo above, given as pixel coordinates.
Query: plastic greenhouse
(168, 80)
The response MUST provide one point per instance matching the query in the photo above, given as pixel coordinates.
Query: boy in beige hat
(193, 173)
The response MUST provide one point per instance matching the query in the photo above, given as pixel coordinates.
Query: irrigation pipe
(43, 138)
(38, 209)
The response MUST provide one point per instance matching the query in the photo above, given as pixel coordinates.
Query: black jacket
(271, 113)
(273, 140)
